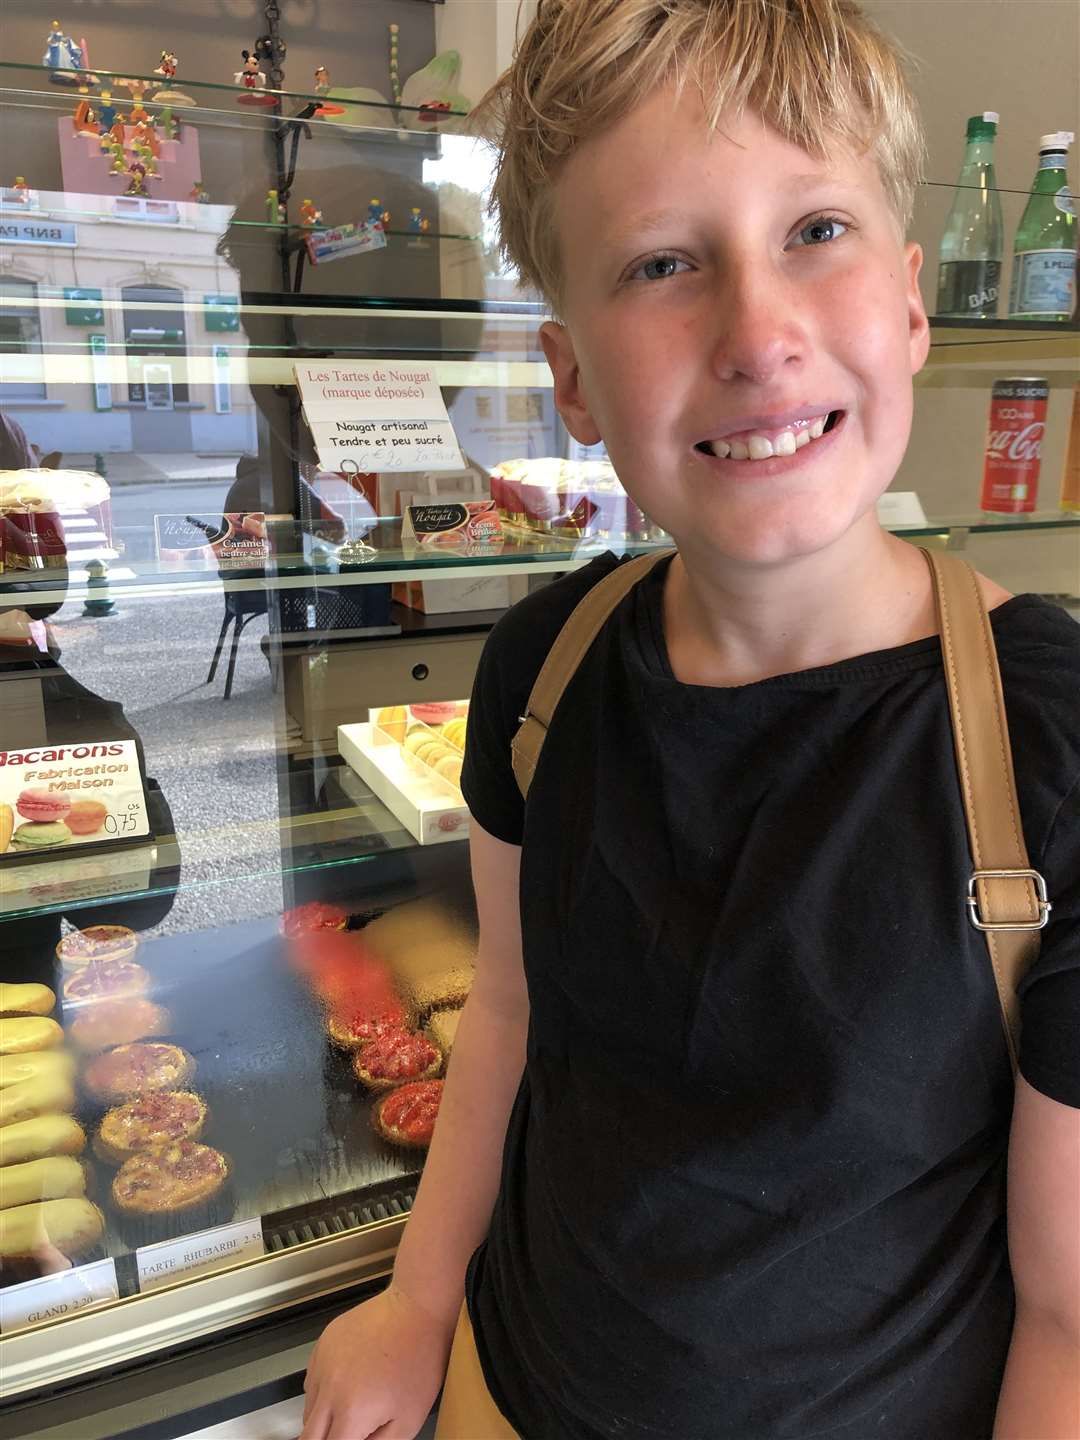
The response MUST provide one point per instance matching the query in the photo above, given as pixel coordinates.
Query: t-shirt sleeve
(487, 776)
(1050, 991)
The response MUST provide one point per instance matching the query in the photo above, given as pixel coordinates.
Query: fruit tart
(181, 1177)
(151, 1122)
(130, 1070)
(396, 1056)
(406, 1116)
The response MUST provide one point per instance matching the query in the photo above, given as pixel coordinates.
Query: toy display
(309, 215)
(166, 66)
(275, 211)
(377, 216)
(252, 81)
(85, 121)
(322, 80)
(322, 87)
(63, 56)
(168, 94)
(138, 174)
(418, 223)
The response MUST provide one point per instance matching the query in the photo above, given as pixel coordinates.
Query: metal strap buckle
(973, 900)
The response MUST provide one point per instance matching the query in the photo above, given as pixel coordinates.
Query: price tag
(57, 1297)
(378, 415)
(899, 508)
(217, 1249)
(56, 798)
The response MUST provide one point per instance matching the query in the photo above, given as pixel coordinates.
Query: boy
(733, 1036)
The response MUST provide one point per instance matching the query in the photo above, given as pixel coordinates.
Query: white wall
(483, 31)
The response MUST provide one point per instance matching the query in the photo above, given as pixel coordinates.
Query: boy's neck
(731, 626)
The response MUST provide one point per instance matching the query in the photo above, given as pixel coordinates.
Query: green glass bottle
(969, 269)
(1044, 255)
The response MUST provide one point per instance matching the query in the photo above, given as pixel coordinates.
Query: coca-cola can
(1014, 444)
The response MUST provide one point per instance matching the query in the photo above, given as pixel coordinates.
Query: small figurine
(167, 95)
(322, 87)
(19, 193)
(322, 80)
(395, 77)
(308, 213)
(119, 159)
(62, 55)
(136, 179)
(106, 110)
(418, 224)
(166, 66)
(139, 114)
(84, 121)
(146, 136)
(377, 216)
(198, 194)
(249, 75)
(275, 211)
(167, 121)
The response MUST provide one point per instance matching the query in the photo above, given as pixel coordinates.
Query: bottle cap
(984, 126)
(1060, 140)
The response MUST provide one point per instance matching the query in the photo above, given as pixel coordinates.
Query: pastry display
(96, 942)
(406, 1116)
(118, 1022)
(46, 1095)
(86, 817)
(150, 1123)
(44, 1135)
(313, 917)
(57, 1177)
(178, 1178)
(395, 1056)
(26, 999)
(441, 1029)
(20, 1034)
(35, 1065)
(131, 1070)
(105, 980)
(72, 1226)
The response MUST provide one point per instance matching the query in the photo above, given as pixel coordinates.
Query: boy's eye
(660, 267)
(822, 229)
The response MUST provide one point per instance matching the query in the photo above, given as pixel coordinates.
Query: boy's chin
(765, 540)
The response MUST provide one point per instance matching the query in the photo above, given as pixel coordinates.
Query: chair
(240, 607)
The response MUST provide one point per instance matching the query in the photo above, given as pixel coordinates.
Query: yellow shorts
(467, 1411)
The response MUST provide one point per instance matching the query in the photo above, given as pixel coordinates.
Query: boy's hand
(376, 1370)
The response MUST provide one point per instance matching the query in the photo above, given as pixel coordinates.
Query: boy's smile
(742, 326)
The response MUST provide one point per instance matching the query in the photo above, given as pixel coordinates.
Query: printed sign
(173, 1260)
(212, 542)
(379, 415)
(57, 1297)
(465, 522)
(326, 245)
(54, 798)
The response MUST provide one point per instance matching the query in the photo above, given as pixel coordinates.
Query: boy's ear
(918, 324)
(570, 398)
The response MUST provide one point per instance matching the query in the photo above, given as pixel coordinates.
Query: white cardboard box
(426, 809)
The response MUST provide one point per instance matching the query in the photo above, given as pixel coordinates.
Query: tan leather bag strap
(1006, 899)
(573, 640)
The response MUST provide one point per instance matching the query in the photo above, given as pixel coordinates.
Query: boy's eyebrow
(641, 226)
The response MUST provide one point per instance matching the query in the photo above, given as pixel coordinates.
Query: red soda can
(1014, 444)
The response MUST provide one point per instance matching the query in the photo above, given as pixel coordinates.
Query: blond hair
(819, 71)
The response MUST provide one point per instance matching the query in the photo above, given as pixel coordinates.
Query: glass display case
(236, 923)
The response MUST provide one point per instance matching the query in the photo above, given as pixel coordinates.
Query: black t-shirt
(753, 1183)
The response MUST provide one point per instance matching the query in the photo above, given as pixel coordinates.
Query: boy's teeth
(760, 447)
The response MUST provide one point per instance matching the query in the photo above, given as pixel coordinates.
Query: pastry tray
(431, 811)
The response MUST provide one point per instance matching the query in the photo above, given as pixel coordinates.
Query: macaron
(40, 835)
(37, 803)
(86, 816)
(449, 767)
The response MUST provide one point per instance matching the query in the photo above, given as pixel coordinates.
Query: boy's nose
(755, 329)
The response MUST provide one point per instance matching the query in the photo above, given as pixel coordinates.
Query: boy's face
(705, 292)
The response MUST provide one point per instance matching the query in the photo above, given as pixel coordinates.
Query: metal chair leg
(241, 621)
(220, 643)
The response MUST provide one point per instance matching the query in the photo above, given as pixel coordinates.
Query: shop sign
(57, 1297)
(38, 232)
(222, 313)
(83, 306)
(55, 798)
(172, 1260)
(381, 415)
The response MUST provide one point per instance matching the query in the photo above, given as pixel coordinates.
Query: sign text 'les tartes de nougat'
(379, 415)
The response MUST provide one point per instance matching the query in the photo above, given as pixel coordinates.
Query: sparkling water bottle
(1044, 256)
(969, 272)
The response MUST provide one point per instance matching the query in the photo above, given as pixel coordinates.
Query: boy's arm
(461, 1174)
(1040, 1393)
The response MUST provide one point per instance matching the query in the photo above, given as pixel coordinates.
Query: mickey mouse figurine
(250, 76)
